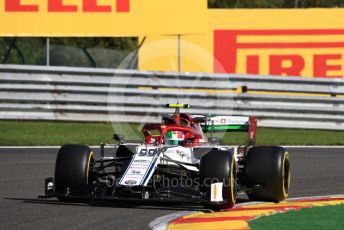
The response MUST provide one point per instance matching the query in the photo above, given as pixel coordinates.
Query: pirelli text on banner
(280, 52)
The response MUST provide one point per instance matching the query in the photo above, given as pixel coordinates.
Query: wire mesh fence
(77, 52)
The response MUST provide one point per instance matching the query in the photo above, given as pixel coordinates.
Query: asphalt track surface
(315, 172)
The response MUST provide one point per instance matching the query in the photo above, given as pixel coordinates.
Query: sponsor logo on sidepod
(130, 182)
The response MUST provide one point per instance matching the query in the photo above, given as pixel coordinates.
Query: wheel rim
(286, 175)
(90, 158)
(232, 178)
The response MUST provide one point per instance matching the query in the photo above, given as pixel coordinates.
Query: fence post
(48, 52)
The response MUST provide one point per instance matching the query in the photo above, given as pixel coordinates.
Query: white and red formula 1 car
(176, 162)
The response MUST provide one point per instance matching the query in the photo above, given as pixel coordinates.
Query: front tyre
(269, 167)
(72, 171)
(218, 166)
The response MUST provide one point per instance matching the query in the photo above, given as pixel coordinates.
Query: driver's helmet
(174, 137)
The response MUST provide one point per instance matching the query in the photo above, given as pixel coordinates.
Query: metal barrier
(89, 94)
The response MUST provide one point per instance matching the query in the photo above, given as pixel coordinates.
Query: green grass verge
(57, 133)
(53, 133)
(327, 217)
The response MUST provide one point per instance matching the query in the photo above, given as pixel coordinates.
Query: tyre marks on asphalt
(237, 218)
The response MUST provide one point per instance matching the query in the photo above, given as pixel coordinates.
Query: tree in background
(104, 52)
(244, 4)
(19, 50)
(274, 3)
(103, 42)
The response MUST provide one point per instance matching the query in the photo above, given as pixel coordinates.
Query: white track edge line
(44, 147)
(315, 146)
(97, 146)
(315, 197)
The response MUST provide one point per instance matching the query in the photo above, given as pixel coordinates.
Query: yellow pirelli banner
(305, 42)
(183, 35)
(101, 17)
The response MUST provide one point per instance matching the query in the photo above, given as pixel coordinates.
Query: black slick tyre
(269, 168)
(72, 171)
(218, 166)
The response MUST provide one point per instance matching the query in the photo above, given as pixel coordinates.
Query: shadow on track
(163, 205)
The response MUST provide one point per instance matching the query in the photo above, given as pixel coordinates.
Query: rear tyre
(72, 171)
(269, 167)
(218, 167)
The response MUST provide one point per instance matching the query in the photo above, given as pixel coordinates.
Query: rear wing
(225, 124)
(212, 124)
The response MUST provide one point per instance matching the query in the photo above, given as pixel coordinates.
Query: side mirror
(118, 137)
(214, 140)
